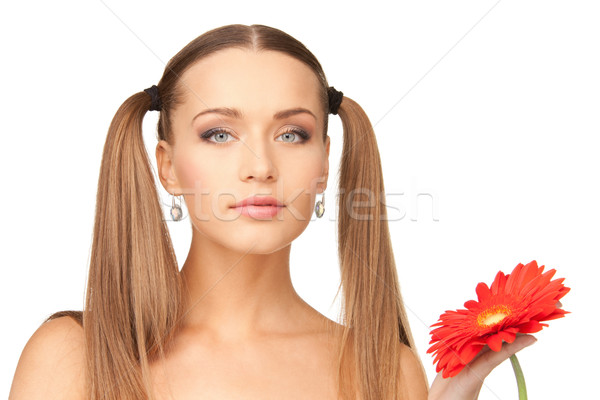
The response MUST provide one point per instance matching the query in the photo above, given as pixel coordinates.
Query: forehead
(252, 81)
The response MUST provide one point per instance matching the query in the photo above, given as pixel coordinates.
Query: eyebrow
(235, 113)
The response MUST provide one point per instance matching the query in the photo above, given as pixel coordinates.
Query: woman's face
(252, 147)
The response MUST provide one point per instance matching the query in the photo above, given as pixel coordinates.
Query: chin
(255, 246)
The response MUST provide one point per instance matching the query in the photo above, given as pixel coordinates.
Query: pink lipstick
(259, 207)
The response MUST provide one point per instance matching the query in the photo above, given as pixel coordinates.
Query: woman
(243, 138)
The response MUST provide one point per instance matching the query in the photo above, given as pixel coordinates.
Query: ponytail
(133, 289)
(373, 312)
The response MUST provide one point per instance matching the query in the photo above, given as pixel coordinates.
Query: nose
(257, 163)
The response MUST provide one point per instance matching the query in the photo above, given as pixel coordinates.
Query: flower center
(493, 316)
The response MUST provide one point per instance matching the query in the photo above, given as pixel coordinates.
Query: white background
(489, 106)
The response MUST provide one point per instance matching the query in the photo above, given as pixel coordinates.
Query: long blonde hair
(133, 299)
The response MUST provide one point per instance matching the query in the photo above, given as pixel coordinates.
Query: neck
(234, 296)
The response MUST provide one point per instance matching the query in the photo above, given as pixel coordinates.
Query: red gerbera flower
(515, 303)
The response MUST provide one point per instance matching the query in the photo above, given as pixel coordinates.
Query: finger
(489, 360)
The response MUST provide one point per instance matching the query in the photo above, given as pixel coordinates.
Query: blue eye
(295, 132)
(218, 133)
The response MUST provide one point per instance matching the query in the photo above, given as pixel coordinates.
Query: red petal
(472, 304)
(449, 373)
(469, 352)
(499, 283)
(483, 292)
(508, 337)
(495, 342)
(530, 327)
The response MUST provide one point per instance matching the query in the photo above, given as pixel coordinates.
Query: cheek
(300, 185)
(195, 175)
(201, 181)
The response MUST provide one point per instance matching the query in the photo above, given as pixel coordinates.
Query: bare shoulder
(51, 365)
(412, 375)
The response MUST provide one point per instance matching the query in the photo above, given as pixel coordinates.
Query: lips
(259, 207)
(260, 201)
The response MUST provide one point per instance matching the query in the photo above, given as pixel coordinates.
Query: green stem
(520, 378)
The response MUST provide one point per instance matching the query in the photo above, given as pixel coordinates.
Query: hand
(467, 383)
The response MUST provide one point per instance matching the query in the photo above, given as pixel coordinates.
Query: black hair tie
(335, 99)
(156, 104)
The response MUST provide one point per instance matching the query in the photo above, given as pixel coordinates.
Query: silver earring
(176, 212)
(320, 206)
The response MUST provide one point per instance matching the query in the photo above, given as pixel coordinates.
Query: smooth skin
(243, 314)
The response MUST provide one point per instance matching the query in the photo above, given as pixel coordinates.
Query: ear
(166, 171)
(326, 169)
